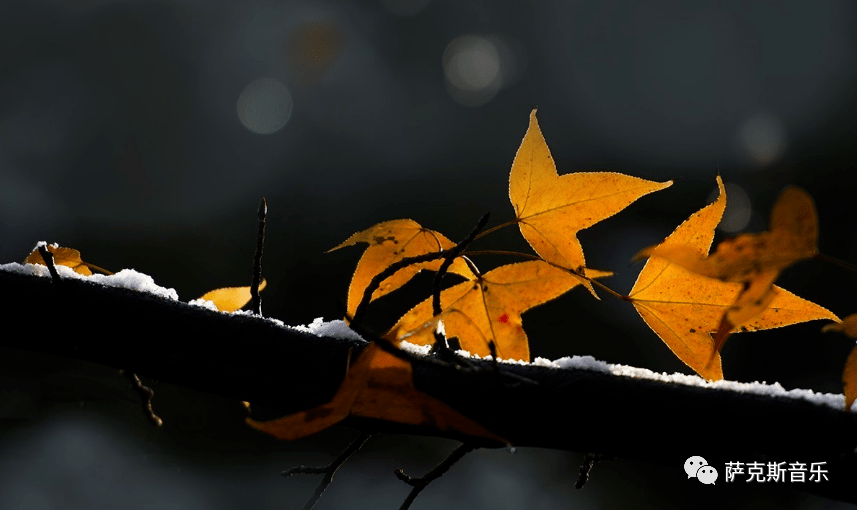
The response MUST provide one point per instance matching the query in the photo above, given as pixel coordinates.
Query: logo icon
(697, 467)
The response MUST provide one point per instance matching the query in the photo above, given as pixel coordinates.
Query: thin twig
(257, 260)
(48, 257)
(589, 461)
(421, 483)
(328, 471)
(440, 345)
(146, 395)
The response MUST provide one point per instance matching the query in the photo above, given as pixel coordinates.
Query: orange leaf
(68, 257)
(380, 386)
(849, 379)
(849, 374)
(755, 260)
(492, 305)
(390, 242)
(683, 307)
(550, 209)
(230, 299)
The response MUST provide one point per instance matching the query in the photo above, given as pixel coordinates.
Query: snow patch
(333, 329)
(125, 279)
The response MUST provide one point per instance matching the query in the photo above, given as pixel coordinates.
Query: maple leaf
(489, 307)
(755, 260)
(230, 299)
(389, 242)
(550, 209)
(849, 374)
(683, 307)
(68, 257)
(377, 385)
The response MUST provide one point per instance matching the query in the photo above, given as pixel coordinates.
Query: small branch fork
(328, 471)
(421, 483)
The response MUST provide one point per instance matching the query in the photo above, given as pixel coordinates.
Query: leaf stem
(536, 257)
(496, 227)
(833, 260)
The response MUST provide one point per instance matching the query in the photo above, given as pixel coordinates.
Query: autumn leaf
(849, 373)
(378, 385)
(389, 242)
(68, 257)
(754, 260)
(683, 308)
(489, 307)
(550, 209)
(230, 299)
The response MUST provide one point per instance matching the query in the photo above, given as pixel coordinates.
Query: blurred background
(144, 133)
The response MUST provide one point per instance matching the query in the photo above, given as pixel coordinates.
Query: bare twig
(589, 461)
(48, 257)
(328, 471)
(441, 347)
(421, 483)
(257, 260)
(146, 395)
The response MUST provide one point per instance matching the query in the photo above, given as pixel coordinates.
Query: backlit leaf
(550, 209)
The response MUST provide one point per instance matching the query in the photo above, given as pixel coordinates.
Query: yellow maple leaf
(230, 299)
(683, 307)
(378, 385)
(550, 209)
(489, 307)
(755, 260)
(389, 242)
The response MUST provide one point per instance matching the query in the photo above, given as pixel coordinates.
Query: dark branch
(48, 257)
(270, 358)
(328, 471)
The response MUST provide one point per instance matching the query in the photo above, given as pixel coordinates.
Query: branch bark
(255, 360)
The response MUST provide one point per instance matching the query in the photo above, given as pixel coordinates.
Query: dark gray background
(120, 135)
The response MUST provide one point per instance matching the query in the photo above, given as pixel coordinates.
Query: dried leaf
(550, 209)
(490, 305)
(849, 374)
(683, 308)
(380, 386)
(390, 242)
(230, 299)
(62, 256)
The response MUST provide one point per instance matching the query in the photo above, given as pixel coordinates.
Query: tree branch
(253, 359)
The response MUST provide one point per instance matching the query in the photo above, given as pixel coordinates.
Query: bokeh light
(738, 211)
(473, 71)
(264, 106)
(763, 138)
